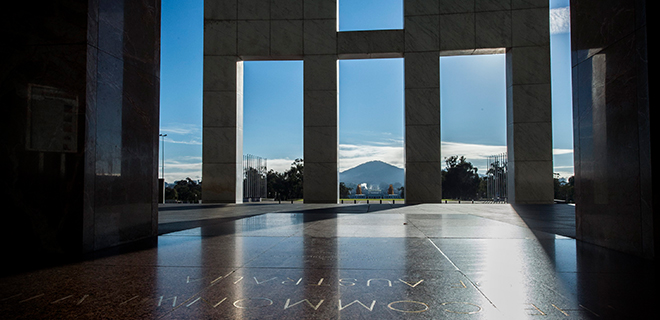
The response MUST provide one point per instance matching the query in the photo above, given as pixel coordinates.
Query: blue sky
(370, 97)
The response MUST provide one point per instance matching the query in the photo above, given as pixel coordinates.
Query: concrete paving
(322, 261)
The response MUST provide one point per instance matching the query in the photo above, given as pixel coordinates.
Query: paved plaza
(302, 261)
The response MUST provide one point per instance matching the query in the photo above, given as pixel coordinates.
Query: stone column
(321, 155)
(529, 108)
(422, 102)
(613, 123)
(222, 150)
(80, 87)
(422, 118)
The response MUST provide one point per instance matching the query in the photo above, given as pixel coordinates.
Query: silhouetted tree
(343, 190)
(286, 185)
(460, 179)
(187, 190)
(170, 194)
(564, 190)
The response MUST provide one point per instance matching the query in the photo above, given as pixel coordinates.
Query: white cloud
(561, 151)
(279, 165)
(182, 133)
(182, 168)
(470, 151)
(560, 20)
(180, 128)
(191, 141)
(351, 155)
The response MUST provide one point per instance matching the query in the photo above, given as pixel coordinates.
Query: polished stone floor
(298, 261)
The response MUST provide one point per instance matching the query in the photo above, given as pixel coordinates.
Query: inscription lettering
(287, 305)
(206, 302)
(61, 299)
(318, 284)
(8, 298)
(370, 308)
(347, 282)
(188, 280)
(560, 310)
(160, 301)
(32, 298)
(221, 301)
(129, 300)
(69, 296)
(124, 299)
(389, 283)
(289, 280)
(260, 282)
(534, 307)
(412, 285)
(252, 303)
(423, 305)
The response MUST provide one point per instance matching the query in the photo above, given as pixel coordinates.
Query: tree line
(187, 190)
(460, 181)
(287, 185)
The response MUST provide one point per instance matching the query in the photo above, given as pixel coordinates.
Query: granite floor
(301, 261)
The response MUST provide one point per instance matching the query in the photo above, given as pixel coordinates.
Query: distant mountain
(372, 173)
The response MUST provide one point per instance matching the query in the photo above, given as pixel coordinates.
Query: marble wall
(612, 125)
(307, 29)
(81, 82)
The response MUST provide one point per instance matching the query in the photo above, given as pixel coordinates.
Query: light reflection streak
(599, 127)
(505, 271)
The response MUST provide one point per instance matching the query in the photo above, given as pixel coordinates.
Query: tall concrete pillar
(222, 151)
(529, 108)
(80, 86)
(321, 154)
(422, 102)
(613, 118)
(422, 117)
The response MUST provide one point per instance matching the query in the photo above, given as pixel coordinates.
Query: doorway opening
(473, 122)
(371, 141)
(562, 100)
(273, 130)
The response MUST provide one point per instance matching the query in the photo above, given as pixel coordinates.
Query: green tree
(293, 179)
(274, 183)
(343, 190)
(460, 179)
(483, 187)
(564, 190)
(187, 190)
(286, 185)
(171, 194)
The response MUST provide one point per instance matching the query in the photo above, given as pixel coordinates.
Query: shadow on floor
(551, 218)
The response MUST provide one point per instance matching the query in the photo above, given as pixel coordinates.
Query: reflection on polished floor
(299, 261)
